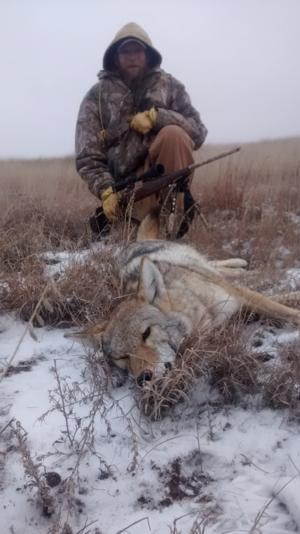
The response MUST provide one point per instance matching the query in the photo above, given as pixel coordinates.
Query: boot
(99, 224)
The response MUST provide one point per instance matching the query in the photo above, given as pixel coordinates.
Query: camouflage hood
(131, 30)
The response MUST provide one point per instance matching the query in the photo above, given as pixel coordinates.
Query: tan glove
(143, 122)
(110, 203)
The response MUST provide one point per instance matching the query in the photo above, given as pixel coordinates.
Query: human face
(132, 61)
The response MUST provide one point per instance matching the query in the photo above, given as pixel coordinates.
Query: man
(135, 117)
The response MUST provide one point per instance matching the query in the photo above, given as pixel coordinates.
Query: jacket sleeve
(182, 113)
(91, 159)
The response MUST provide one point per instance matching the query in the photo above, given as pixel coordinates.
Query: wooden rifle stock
(154, 172)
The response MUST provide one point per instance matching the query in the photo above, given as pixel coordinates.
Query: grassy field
(251, 201)
(252, 204)
(49, 193)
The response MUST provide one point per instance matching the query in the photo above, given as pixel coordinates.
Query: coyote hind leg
(258, 303)
(291, 299)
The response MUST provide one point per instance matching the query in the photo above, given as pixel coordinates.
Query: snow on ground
(226, 468)
(228, 465)
(58, 262)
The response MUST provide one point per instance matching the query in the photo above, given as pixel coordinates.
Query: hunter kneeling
(135, 117)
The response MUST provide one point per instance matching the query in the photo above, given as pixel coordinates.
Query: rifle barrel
(214, 158)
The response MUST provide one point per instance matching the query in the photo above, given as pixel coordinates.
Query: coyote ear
(151, 286)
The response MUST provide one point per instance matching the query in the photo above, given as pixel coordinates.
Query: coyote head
(143, 334)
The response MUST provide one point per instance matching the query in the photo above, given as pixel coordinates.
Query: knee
(175, 133)
(172, 130)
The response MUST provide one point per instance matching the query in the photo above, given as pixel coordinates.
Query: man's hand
(143, 122)
(110, 204)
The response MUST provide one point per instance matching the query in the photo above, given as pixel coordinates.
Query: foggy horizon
(207, 143)
(239, 62)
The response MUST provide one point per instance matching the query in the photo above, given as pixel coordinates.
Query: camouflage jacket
(109, 106)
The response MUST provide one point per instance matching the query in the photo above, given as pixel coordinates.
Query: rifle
(155, 179)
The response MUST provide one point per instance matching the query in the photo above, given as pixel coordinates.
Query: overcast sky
(239, 60)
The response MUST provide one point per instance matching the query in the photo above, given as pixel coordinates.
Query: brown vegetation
(250, 196)
(252, 203)
(221, 358)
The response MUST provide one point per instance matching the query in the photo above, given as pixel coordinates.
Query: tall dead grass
(262, 178)
(251, 201)
(45, 198)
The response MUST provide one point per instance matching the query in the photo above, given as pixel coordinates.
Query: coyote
(173, 291)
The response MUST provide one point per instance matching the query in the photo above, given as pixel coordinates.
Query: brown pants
(173, 148)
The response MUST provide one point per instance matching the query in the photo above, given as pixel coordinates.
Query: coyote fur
(173, 291)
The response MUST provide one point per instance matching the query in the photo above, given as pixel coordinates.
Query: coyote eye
(146, 334)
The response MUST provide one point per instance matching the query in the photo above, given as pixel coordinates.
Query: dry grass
(226, 361)
(82, 293)
(45, 207)
(246, 197)
(249, 198)
(221, 358)
(252, 203)
(282, 387)
(44, 204)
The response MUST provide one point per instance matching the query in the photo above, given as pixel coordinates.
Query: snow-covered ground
(205, 468)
